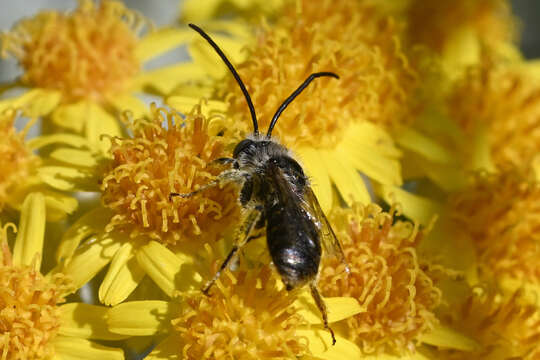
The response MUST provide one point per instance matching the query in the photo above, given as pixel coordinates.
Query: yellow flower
(336, 126)
(248, 315)
(24, 172)
(499, 213)
(458, 30)
(34, 324)
(498, 106)
(503, 327)
(386, 277)
(81, 66)
(166, 153)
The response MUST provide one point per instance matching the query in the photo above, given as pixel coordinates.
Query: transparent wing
(329, 240)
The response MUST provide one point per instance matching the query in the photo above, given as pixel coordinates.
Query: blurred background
(166, 12)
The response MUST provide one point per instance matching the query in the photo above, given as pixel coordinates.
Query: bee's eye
(242, 146)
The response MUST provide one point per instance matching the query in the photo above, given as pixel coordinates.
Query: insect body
(276, 193)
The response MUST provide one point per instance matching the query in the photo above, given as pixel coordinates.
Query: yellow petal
(29, 243)
(122, 278)
(86, 321)
(320, 344)
(185, 105)
(71, 116)
(195, 11)
(204, 55)
(165, 80)
(160, 41)
(62, 177)
(34, 102)
(372, 136)
(339, 308)
(320, 181)
(348, 181)
(139, 318)
(90, 258)
(481, 151)
(99, 122)
(418, 143)
(75, 157)
(63, 139)
(89, 224)
(169, 271)
(445, 337)
(71, 348)
(415, 207)
(168, 349)
(59, 205)
(127, 102)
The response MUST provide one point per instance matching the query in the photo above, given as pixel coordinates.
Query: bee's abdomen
(293, 243)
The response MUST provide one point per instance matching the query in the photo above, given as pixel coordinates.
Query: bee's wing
(329, 240)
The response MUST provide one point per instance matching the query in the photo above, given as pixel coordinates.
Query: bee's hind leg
(319, 301)
(248, 225)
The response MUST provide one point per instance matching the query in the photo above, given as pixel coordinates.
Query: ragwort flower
(386, 277)
(34, 324)
(24, 172)
(166, 153)
(80, 66)
(248, 315)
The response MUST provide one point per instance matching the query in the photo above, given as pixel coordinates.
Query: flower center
(247, 316)
(169, 154)
(88, 53)
(29, 315)
(385, 277)
(16, 160)
(344, 37)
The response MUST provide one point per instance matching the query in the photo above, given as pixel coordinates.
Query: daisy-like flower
(166, 153)
(24, 172)
(34, 324)
(388, 280)
(458, 30)
(498, 106)
(248, 315)
(336, 126)
(79, 67)
(499, 213)
(503, 327)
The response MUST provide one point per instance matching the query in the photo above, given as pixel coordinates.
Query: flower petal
(165, 80)
(63, 139)
(415, 207)
(128, 102)
(75, 157)
(99, 122)
(206, 57)
(339, 308)
(139, 318)
(89, 224)
(122, 278)
(160, 41)
(169, 271)
(347, 180)
(195, 11)
(185, 104)
(29, 243)
(90, 258)
(34, 102)
(71, 348)
(320, 344)
(86, 321)
(320, 181)
(418, 143)
(62, 177)
(71, 116)
(166, 350)
(445, 337)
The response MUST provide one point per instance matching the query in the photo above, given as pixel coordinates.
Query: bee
(276, 193)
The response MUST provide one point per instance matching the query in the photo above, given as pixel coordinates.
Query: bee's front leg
(249, 224)
(223, 178)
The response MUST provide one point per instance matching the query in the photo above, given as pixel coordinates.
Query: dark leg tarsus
(322, 308)
(223, 178)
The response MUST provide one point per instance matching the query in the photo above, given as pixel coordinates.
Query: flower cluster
(136, 228)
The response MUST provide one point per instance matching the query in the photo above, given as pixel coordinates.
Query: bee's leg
(246, 229)
(226, 161)
(322, 307)
(223, 178)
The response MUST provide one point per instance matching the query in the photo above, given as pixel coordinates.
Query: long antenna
(294, 95)
(235, 74)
